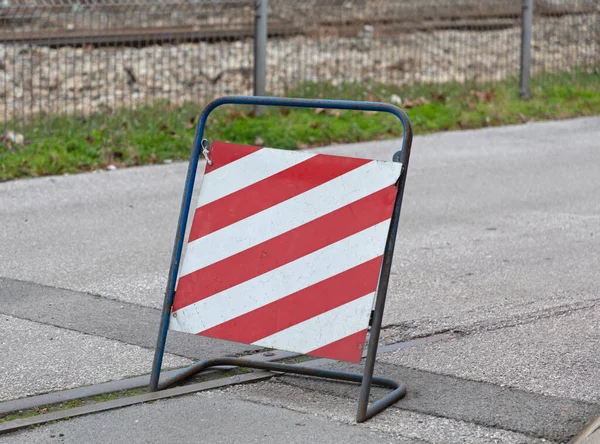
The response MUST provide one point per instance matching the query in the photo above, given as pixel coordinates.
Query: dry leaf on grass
(408, 103)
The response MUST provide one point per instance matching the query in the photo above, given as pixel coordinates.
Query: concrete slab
(392, 423)
(107, 318)
(203, 418)
(594, 438)
(556, 356)
(453, 398)
(39, 358)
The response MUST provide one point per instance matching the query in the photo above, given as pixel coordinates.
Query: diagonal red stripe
(300, 306)
(222, 153)
(285, 248)
(348, 349)
(271, 191)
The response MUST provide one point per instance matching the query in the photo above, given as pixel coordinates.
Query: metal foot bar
(368, 411)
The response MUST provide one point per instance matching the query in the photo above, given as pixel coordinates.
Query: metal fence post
(260, 50)
(526, 32)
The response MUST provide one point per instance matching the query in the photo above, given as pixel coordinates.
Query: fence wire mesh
(81, 57)
(88, 57)
(566, 36)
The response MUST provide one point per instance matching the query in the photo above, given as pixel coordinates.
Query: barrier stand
(274, 233)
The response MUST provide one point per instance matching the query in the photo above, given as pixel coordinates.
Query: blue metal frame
(364, 410)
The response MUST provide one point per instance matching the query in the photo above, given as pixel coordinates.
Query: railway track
(139, 36)
(301, 24)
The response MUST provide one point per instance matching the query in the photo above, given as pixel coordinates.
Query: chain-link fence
(80, 57)
(566, 35)
(429, 41)
(92, 56)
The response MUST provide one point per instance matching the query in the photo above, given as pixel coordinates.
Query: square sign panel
(285, 250)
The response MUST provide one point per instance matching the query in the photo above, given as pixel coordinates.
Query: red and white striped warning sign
(285, 250)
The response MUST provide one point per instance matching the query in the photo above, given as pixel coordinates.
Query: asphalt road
(499, 242)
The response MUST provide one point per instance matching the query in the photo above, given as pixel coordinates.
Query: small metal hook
(205, 150)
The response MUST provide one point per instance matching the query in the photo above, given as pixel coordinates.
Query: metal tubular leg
(399, 390)
(365, 411)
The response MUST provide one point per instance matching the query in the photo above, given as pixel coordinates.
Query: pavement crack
(397, 332)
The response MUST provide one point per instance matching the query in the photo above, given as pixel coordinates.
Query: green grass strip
(162, 132)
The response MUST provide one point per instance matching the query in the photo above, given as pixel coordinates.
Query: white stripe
(283, 281)
(323, 329)
(246, 171)
(290, 214)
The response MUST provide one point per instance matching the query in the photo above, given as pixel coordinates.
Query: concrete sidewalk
(499, 243)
